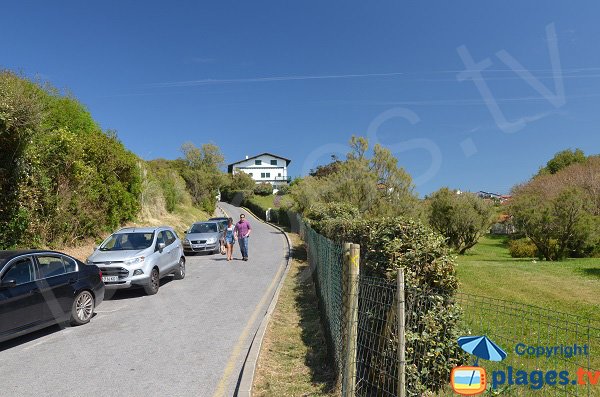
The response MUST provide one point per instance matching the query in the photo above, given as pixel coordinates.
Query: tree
(562, 160)
(325, 170)
(376, 186)
(240, 181)
(200, 168)
(461, 218)
(558, 214)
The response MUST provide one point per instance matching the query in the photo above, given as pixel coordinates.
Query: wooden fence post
(400, 299)
(352, 263)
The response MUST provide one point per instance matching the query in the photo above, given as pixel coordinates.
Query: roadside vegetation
(293, 360)
(64, 180)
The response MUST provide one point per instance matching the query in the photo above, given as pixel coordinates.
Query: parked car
(140, 257)
(42, 288)
(204, 237)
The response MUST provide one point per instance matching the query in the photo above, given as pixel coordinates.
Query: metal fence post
(352, 263)
(400, 299)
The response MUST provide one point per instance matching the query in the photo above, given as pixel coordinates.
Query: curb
(246, 378)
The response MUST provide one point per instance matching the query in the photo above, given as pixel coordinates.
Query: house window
(262, 174)
(257, 162)
(268, 174)
(273, 162)
(279, 174)
(250, 174)
(265, 174)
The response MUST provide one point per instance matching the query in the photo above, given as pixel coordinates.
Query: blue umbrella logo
(481, 347)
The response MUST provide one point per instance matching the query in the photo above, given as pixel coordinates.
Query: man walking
(243, 230)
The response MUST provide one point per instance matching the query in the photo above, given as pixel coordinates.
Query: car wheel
(83, 308)
(180, 272)
(153, 284)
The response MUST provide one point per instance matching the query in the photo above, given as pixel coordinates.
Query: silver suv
(139, 257)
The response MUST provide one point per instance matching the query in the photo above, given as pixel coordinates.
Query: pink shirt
(242, 228)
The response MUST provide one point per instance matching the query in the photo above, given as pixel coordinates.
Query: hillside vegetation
(63, 179)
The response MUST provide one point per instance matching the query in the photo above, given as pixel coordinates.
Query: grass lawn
(571, 286)
(271, 201)
(293, 359)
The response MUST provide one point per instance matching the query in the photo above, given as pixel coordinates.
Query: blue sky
(299, 78)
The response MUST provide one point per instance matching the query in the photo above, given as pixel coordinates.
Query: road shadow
(131, 293)
(52, 329)
(9, 344)
(317, 358)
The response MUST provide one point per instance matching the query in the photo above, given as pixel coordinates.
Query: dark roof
(287, 161)
(12, 254)
(6, 256)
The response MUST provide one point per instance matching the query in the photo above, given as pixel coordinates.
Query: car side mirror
(161, 247)
(8, 284)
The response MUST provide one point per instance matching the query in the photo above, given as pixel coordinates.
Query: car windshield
(204, 228)
(128, 241)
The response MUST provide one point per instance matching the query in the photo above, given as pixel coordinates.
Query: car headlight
(211, 240)
(134, 261)
(89, 262)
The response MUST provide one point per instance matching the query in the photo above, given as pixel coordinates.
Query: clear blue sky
(299, 78)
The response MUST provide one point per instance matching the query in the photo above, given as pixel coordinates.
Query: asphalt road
(188, 340)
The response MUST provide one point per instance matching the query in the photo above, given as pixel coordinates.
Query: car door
(163, 260)
(172, 249)
(56, 286)
(21, 305)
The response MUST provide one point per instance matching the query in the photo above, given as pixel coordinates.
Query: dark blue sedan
(42, 288)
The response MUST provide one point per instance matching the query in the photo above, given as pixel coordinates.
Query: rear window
(128, 241)
(50, 266)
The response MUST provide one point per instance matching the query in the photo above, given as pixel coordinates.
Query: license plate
(110, 278)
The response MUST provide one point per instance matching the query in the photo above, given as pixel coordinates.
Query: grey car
(139, 257)
(203, 237)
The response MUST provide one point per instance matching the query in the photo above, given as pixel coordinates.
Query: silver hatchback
(203, 237)
(139, 257)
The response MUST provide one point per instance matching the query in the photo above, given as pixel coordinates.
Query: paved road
(188, 340)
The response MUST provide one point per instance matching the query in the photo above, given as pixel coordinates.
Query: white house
(265, 167)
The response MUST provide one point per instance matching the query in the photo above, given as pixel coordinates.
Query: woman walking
(230, 235)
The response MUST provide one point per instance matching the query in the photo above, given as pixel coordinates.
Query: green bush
(263, 189)
(320, 212)
(386, 245)
(283, 190)
(522, 248)
(68, 179)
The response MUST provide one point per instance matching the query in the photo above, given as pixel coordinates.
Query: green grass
(571, 286)
(271, 201)
(293, 359)
(263, 201)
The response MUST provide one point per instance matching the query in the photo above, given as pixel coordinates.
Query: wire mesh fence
(326, 259)
(548, 353)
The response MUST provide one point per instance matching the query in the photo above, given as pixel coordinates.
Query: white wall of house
(264, 168)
